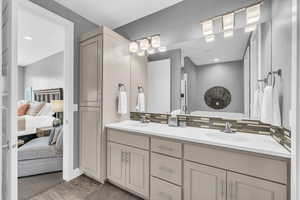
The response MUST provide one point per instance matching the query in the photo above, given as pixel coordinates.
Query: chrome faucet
(228, 128)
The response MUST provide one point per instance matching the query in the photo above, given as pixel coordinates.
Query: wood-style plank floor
(31, 186)
(84, 188)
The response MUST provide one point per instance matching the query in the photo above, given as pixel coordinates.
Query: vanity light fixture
(162, 49)
(144, 44)
(253, 14)
(207, 28)
(216, 60)
(141, 53)
(133, 47)
(250, 28)
(155, 41)
(151, 51)
(28, 38)
(228, 25)
(210, 38)
(148, 45)
(228, 22)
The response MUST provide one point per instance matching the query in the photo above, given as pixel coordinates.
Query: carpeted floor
(84, 188)
(29, 187)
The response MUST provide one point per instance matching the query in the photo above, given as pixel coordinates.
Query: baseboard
(74, 174)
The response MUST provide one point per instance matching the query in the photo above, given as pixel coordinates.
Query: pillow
(52, 133)
(22, 110)
(57, 131)
(46, 110)
(35, 108)
(59, 141)
(21, 102)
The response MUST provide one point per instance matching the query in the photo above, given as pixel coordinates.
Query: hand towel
(267, 106)
(140, 104)
(257, 104)
(276, 108)
(122, 103)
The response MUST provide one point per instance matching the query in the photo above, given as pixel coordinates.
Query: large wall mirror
(219, 58)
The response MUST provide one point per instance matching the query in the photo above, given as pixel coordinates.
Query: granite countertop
(262, 144)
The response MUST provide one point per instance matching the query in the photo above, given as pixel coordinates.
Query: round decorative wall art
(217, 97)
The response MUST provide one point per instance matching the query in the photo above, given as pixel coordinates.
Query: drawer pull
(223, 188)
(231, 190)
(162, 147)
(166, 169)
(165, 196)
(123, 158)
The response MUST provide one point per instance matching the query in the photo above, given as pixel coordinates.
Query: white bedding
(28, 122)
(38, 121)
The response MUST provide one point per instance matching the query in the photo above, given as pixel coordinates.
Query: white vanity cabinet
(203, 182)
(241, 187)
(127, 166)
(161, 168)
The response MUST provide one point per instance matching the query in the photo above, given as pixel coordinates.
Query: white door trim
(295, 104)
(69, 108)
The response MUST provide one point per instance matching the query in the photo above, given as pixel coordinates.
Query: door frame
(69, 107)
(295, 103)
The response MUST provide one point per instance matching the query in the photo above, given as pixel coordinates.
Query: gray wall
(21, 82)
(229, 75)
(175, 56)
(282, 52)
(46, 73)
(81, 25)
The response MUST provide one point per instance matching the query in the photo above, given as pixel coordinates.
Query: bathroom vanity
(158, 162)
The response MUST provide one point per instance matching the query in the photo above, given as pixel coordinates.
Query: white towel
(122, 103)
(271, 113)
(140, 104)
(276, 108)
(267, 106)
(257, 104)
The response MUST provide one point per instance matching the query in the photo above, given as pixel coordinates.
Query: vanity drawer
(166, 147)
(162, 190)
(166, 168)
(249, 164)
(129, 139)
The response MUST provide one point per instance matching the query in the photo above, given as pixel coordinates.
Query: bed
(28, 124)
(38, 156)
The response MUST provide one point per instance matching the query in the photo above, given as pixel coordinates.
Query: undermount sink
(225, 136)
(138, 124)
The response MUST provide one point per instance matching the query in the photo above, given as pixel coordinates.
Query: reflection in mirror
(208, 47)
(232, 63)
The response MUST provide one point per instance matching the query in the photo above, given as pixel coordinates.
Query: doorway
(63, 97)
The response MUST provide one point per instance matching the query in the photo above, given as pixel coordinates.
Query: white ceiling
(224, 49)
(115, 13)
(47, 37)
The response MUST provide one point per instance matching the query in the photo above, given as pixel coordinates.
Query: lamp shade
(57, 106)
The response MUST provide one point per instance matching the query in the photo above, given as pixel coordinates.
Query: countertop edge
(152, 133)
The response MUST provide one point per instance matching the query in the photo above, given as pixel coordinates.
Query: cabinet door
(90, 141)
(203, 182)
(137, 171)
(116, 159)
(241, 187)
(91, 72)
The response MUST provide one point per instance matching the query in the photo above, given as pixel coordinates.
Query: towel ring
(140, 89)
(122, 87)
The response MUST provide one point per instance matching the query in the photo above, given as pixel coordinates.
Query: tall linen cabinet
(105, 62)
